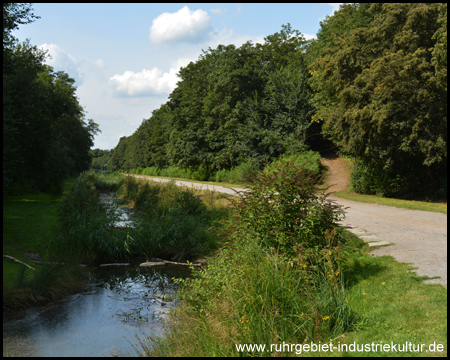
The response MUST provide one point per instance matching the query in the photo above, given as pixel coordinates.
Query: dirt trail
(338, 175)
(417, 237)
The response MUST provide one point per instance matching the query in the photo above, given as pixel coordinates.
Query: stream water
(119, 304)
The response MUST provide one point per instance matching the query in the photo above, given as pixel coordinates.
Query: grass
(373, 199)
(399, 203)
(393, 304)
(29, 222)
(396, 305)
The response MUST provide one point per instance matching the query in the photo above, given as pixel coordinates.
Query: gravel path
(416, 237)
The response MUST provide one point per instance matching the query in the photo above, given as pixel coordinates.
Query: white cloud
(228, 36)
(183, 25)
(145, 83)
(99, 64)
(335, 7)
(60, 60)
(309, 36)
(218, 11)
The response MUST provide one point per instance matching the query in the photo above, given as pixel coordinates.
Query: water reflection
(121, 214)
(118, 304)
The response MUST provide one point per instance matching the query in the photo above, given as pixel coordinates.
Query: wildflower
(349, 227)
(364, 293)
(325, 318)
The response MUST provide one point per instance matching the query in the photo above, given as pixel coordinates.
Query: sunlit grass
(404, 204)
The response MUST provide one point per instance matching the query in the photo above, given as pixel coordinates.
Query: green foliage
(175, 222)
(367, 180)
(45, 135)
(283, 212)
(232, 106)
(307, 160)
(277, 278)
(101, 159)
(381, 94)
(87, 231)
(105, 182)
(170, 221)
(236, 175)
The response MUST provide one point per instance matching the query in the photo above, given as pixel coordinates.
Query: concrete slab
(368, 238)
(379, 243)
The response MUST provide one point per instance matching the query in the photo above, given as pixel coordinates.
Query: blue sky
(125, 57)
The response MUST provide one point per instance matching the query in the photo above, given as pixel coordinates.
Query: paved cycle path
(413, 236)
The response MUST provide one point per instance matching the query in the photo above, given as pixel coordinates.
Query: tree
(378, 95)
(45, 135)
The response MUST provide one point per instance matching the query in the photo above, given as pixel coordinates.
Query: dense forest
(101, 159)
(374, 82)
(46, 137)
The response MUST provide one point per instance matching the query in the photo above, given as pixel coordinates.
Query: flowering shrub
(284, 212)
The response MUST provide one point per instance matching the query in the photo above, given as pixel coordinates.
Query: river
(118, 304)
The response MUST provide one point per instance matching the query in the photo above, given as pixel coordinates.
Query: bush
(284, 212)
(367, 180)
(309, 161)
(236, 175)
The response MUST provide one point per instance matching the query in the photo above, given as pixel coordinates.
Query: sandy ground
(417, 237)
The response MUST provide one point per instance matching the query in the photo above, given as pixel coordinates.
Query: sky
(125, 57)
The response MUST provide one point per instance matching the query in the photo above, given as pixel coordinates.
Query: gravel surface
(417, 237)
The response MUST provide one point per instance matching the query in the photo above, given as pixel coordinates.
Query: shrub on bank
(87, 233)
(277, 279)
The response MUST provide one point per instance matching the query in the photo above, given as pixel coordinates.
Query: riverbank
(228, 303)
(76, 228)
(29, 224)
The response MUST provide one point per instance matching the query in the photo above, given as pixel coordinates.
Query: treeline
(374, 82)
(231, 106)
(46, 137)
(101, 159)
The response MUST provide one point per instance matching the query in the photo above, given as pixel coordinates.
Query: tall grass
(105, 181)
(87, 231)
(277, 278)
(176, 222)
(171, 222)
